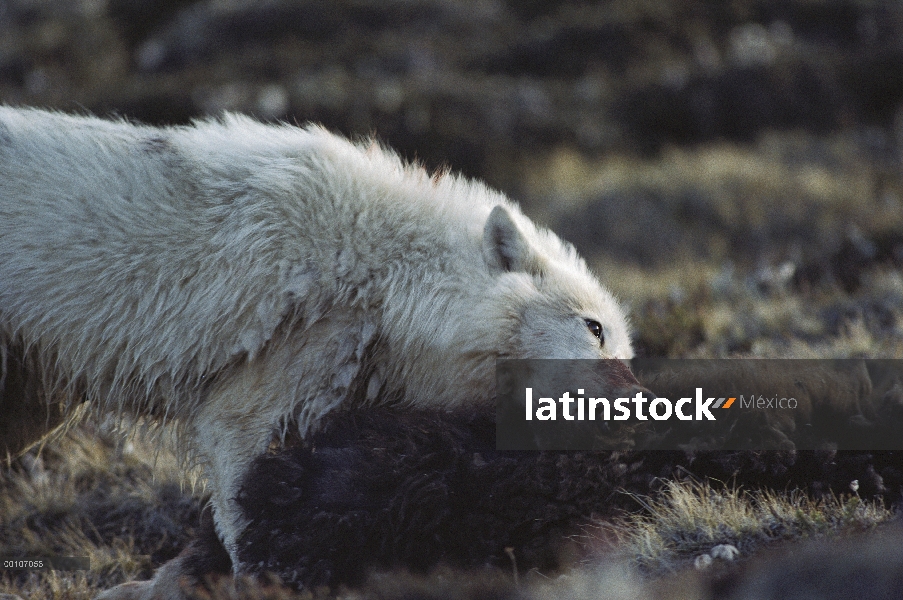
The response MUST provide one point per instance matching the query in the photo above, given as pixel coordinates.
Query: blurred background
(731, 168)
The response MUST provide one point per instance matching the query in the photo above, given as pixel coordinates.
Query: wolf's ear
(504, 246)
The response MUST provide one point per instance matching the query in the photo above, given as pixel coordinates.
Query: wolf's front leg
(296, 380)
(228, 435)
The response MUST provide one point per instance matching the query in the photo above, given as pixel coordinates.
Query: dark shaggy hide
(382, 489)
(386, 489)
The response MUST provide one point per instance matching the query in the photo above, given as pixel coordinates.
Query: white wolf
(242, 278)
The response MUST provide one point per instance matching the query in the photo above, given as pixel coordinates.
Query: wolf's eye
(596, 329)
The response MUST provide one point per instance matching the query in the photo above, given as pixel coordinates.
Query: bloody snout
(615, 377)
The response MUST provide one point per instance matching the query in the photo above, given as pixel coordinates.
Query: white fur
(239, 276)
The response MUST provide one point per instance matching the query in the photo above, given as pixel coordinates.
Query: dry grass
(51, 505)
(690, 518)
(794, 175)
(92, 493)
